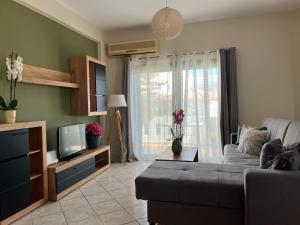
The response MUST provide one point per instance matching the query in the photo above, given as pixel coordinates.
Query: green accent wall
(45, 43)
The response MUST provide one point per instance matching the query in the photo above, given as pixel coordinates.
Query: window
(160, 85)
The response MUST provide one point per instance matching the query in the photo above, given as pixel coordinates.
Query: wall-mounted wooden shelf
(43, 76)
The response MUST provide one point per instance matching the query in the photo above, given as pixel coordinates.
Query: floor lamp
(116, 102)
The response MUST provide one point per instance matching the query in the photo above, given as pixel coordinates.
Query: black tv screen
(71, 140)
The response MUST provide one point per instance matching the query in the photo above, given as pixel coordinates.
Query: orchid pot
(10, 116)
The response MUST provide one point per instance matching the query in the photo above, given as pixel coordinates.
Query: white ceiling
(119, 14)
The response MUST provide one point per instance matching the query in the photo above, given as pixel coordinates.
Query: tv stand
(66, 176)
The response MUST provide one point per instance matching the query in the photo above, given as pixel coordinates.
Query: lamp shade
(116, 101)
(167, 23)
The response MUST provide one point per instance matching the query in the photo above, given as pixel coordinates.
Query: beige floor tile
(47, 209)
(116, 218)
(89, 184)
(99, 198)
(107, 207)
(143, 222)
(132, 223)
(89, 221)
(92, 190)
(121, 193)
(75, 194)
(129, 201)
(109, 186)
(129, 181)
(75, 215)
(74, 204)
(53, 219)
(26, 220)
(138, 212)
(105, 179)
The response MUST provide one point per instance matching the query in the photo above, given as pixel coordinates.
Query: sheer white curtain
(159, 85)
(150, 105)
(198, 83)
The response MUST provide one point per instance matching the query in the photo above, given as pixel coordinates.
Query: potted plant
(14, 67)
(93, 135)
(178, 116)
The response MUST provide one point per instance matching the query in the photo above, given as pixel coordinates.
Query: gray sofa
(277, 128)
(233, 193)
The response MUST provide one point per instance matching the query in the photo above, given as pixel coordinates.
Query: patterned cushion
(252, 140)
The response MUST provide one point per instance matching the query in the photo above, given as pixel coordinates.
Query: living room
(150, 112)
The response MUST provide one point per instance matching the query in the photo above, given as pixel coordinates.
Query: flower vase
(93, 141)
(10, 116)
(177, 146)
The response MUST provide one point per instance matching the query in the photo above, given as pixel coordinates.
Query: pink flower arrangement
(178, 116)
(94, 129)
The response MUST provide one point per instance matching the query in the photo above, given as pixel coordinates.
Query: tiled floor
(108, 199)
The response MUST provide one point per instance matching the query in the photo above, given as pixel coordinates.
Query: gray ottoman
(193, 193)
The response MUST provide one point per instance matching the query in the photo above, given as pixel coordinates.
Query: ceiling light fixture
(167, 23)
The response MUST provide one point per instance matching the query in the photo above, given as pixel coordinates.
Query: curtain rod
(170, 55)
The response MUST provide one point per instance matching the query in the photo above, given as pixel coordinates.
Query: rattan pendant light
(167, 23)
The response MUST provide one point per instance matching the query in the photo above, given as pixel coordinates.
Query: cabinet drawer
(61, 186)
(14, 172)
(14, 200)
(13, 144)
(65, 174)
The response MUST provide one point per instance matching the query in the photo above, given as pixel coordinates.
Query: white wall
(265, 62)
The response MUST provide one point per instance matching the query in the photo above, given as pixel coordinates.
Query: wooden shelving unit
(83, 99)
(43, 76)
(102, 156)
(37, 163)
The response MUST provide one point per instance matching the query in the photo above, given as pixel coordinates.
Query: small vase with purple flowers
(177, 134)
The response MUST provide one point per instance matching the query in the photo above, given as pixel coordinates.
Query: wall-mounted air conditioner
(133, 47)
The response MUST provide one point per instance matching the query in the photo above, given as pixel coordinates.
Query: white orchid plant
(14, 65)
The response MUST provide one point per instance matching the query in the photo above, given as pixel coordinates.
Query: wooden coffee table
(188, 154)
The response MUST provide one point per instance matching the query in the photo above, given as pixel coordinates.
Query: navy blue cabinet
(74, 174)
(14, 172)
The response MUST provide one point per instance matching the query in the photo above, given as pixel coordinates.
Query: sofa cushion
(277, 127)
(252, 140)
(233, 156)
(192, 183)
(292, 134)
(269, 151)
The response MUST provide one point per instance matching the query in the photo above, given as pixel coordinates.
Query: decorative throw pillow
(287, 160)
(252, 140)
(240, 130)
(269, 151)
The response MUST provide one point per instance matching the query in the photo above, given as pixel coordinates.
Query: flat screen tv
(71, 140)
